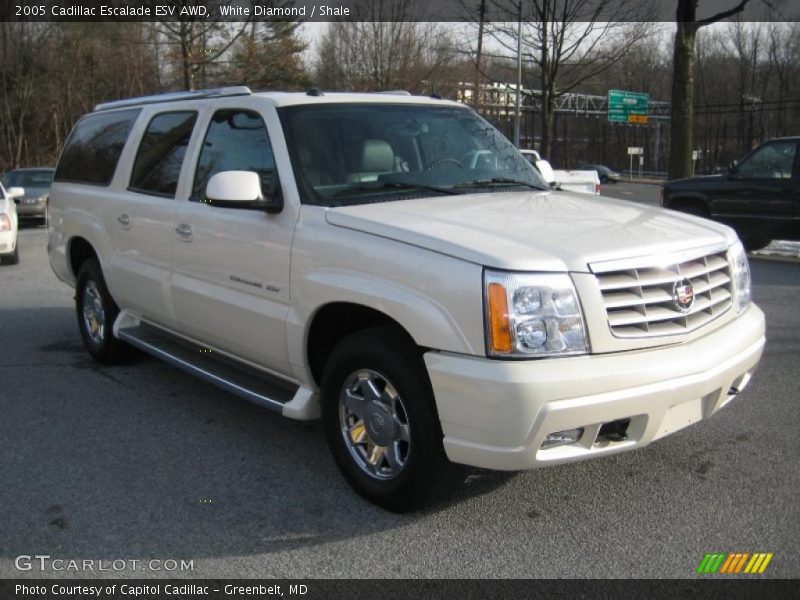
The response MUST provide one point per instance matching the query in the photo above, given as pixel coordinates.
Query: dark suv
(759, 196)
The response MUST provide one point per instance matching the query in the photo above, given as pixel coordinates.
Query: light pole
(519, 78)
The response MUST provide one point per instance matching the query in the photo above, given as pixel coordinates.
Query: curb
(775, 257)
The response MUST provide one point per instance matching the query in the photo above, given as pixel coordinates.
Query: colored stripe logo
(734, 563)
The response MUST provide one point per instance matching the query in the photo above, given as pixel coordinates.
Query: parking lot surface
(141, 461)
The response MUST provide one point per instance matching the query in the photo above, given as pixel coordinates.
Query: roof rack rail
(396, 93)
(238, 90)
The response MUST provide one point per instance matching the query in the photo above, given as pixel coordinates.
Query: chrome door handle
(124, 220)
(184, 231)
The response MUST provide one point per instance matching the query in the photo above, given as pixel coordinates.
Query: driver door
(230, 281)
(760, 195)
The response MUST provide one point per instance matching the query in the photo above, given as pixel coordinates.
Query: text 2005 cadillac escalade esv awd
(392, 264)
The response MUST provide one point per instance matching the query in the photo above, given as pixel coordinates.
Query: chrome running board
(232, 376)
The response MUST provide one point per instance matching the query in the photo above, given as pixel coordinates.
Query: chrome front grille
(640, 297)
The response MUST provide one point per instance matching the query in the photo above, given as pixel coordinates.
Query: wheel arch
(79, 249)
(682, 201)
(333, 322)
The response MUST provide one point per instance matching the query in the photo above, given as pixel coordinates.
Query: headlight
(530, 315)
(740, 273)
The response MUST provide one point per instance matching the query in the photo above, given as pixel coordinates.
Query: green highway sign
(628, 107)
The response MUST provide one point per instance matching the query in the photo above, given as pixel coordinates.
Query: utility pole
(519, 78)
(476, 90)
(657, 147)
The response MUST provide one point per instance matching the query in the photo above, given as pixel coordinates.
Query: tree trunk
(476, 90)
(547, 128)
(548, 109)
(682, 118)
(186, 57)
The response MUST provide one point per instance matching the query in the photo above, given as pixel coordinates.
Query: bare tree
(682, 118)
(382, 49)
(270, 56)
(197, 39)
(568, 42)
(784, 59)
(747, 41)
(52, 73)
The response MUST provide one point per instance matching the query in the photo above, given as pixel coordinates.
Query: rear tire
(96, 312)
(380, 419)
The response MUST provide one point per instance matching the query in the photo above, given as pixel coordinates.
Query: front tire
(97, 311)
(752, 243)
(380, 418)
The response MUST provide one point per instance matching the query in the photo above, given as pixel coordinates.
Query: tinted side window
(94, 148)
(161, 151)
(771, 161)
(236, 140)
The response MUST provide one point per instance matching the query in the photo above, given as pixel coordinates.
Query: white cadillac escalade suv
(392, 264)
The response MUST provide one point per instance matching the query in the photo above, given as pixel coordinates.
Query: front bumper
(496, 414)
(8, 241)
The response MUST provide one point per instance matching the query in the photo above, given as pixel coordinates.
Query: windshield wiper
(392, 185)
(501, 181)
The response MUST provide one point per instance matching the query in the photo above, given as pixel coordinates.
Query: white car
(335, 256)
(9, 251)
(584, 182)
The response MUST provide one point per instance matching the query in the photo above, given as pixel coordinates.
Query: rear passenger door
(143, 219)
(230, 281)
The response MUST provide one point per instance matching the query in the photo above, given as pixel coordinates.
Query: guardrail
(643, 173)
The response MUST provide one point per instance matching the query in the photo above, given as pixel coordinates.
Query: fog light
(562, 438)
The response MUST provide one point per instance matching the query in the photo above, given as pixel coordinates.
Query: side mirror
(732, 168)
(242, 189)
(15, 192)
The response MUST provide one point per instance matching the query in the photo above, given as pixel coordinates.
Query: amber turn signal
(500, 339)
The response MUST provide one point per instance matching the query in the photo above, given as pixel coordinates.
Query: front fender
(437, 299)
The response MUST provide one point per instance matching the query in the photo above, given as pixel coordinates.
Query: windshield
(354, 153)
(38, 178)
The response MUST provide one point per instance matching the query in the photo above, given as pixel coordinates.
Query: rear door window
(160, 156)
(94, 147)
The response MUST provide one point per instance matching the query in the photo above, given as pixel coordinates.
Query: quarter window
(161, 151)
(236, 140)
(94, 147)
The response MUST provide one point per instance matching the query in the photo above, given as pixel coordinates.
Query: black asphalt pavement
(142, 462)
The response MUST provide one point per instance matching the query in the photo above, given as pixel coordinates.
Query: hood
(694, 181)
(532, 231)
